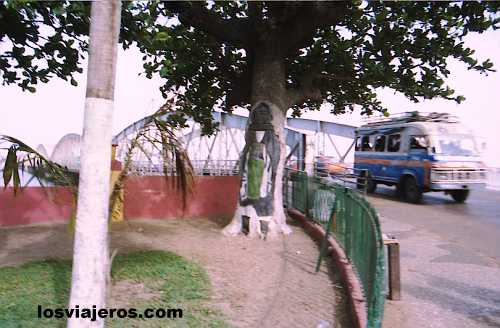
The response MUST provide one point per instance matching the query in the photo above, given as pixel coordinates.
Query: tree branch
(299, 96)
(307, 89)
(313, 83)
(310, 17)
(241, 84)
(282, 12)
(255, 12)
(241, 90)
(234, 31)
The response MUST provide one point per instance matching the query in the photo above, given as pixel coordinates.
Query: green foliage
(42, 39)
(338, 52)
(195, 66)
(177, 282)
(400, 45)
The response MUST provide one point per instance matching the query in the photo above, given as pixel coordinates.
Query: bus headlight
(438, 176)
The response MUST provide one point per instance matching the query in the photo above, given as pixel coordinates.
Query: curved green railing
(355, 226)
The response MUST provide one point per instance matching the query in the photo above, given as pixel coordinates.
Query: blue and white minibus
(418, 153)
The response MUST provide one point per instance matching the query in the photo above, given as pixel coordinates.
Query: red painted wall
(153, 197)
(149, 197)
(35, 204)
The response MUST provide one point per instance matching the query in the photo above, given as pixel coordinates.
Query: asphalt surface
(450, 259)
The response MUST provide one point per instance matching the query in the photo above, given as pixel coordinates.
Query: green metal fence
(355, 226)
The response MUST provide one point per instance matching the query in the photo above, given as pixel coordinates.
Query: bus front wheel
(459, 195)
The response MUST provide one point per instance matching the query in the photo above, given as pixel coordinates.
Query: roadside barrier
(355, 226)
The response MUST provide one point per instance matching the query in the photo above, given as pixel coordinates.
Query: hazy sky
(57, 107)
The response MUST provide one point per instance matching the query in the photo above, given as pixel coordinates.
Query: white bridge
(219, 154)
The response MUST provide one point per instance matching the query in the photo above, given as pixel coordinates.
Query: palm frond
(156, 132)
(159, 134)
(21, 158)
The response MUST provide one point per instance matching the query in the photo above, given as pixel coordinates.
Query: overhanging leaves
(352, 49)
(334, 52)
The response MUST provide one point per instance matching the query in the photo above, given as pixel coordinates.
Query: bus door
(363, 155)
(380, 156)
(395, 163)
(418, 157)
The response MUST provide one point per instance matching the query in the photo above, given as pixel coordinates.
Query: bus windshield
(455, 145)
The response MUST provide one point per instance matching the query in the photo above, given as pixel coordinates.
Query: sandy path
(255, 283)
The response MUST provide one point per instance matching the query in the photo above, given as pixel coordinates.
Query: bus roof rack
(408, 117)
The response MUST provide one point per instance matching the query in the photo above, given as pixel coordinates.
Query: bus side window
(358, 144)
(365, 144)
(418, 143)
(380, 143)
(394, 142)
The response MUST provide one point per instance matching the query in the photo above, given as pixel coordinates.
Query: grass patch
(177, 283)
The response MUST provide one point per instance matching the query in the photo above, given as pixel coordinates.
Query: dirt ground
(255, 283)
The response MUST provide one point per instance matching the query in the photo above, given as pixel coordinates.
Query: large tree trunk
(260, 209)
(91, 251)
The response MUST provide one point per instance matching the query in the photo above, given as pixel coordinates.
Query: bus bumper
(443, 186)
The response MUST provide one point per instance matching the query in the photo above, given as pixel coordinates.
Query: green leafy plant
(21, 158)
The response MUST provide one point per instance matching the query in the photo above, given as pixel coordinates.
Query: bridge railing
(200, 167)
(354, 224)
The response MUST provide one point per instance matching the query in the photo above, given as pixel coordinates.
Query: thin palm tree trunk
(91, 254)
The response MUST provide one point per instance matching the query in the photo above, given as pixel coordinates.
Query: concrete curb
(355, 295)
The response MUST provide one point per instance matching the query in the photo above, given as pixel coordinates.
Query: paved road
(450, 258)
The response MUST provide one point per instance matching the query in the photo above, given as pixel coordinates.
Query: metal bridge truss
(219, 154)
